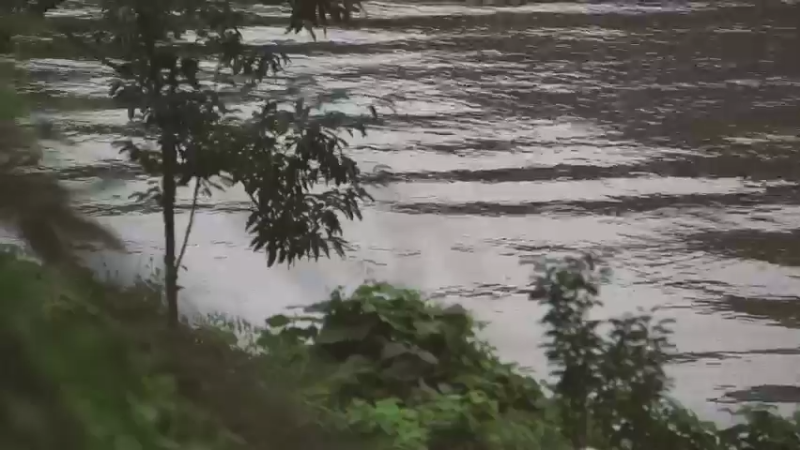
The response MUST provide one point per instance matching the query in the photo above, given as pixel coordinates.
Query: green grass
(90, 366)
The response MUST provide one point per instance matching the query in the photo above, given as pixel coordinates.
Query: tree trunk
(170, 269)
(169, 164)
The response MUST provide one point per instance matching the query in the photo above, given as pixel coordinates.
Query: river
(663, 138)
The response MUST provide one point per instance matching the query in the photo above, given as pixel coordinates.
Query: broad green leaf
(332, 334)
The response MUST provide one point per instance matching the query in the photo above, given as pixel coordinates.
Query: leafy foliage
(415, 373)
(310, 14)
(412, 370)
(397, 344)
(71, 382)
(92, 367)
(278, 157)
(89, 366)
(612, 390)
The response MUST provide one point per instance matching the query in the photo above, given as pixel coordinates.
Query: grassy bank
(92, 366)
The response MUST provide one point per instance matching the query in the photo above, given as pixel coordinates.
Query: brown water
(665, 139)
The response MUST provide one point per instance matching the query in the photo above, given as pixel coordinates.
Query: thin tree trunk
(169, 164)
(170, 268)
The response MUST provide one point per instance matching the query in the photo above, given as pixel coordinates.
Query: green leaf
(393, 349)
(456, 309)
(332, 334)
(278, 320)
(427, 356)
(405, 369)
(427, 328)
(127, 443)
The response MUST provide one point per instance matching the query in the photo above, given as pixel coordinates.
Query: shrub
(415, 372)
(612, 390)
(71, 380)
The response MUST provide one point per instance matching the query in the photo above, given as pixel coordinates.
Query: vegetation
(32, 201)
(93, 366)
(195, 139)
(88, 367)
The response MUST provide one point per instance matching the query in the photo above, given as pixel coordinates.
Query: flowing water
(662, 137)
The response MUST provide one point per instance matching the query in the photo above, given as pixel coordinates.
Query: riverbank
(96, 367)
(516, 134)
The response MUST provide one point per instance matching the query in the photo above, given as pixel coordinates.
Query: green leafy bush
(415, 374)
(397, 344)
(71, 379)
(414, 371)
(91, 366)
(612, 390)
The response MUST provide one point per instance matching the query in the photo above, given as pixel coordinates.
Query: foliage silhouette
(414, 371)
(612, 390)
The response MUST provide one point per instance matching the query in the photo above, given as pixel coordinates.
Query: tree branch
(89, 50)
(192, 211)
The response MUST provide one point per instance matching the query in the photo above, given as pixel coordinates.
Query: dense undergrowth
(90, 366)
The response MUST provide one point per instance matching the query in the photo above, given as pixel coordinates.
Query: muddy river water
(665, 138)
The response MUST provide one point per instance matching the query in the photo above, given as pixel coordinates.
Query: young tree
(278, 156)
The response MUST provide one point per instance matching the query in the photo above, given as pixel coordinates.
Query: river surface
(663, 138)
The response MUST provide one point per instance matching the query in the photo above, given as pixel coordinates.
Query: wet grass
(219, 393)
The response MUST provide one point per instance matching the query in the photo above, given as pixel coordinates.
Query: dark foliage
(612, 389)
(392, 344)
